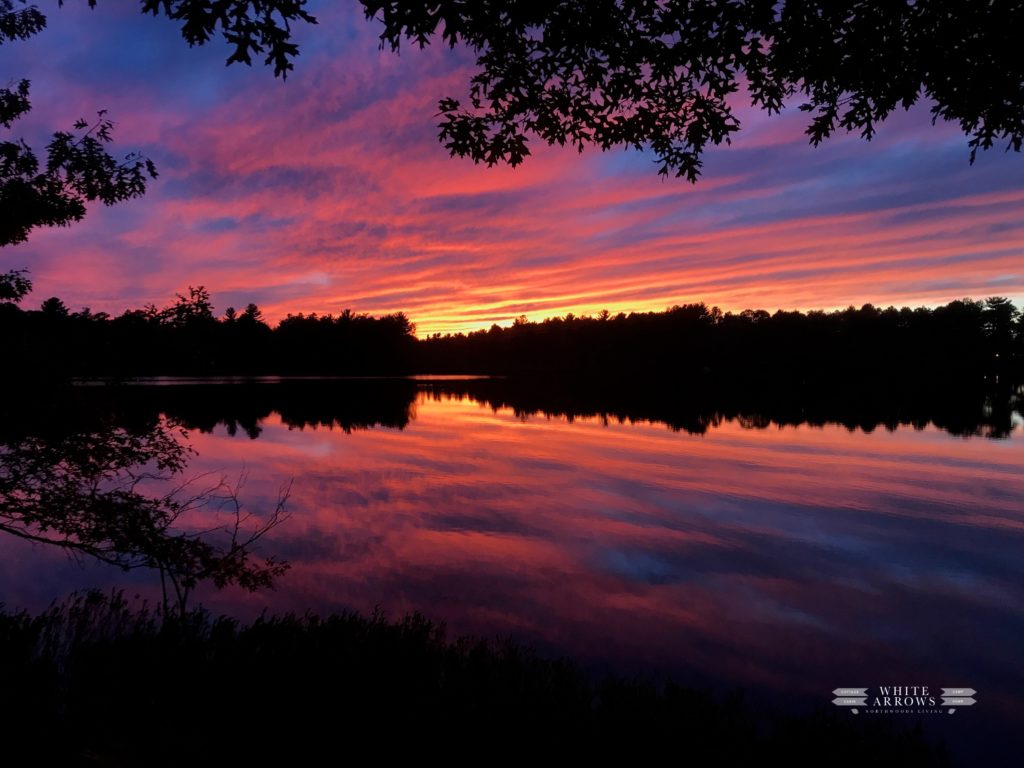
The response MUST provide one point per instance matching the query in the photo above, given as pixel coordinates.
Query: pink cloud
(331, 191)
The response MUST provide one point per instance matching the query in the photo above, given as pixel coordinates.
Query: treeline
(963, 342)
(187, 338)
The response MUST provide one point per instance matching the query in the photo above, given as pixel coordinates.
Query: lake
(788, 552)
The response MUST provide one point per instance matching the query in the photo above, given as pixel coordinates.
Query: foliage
(192, 309)
(606, 73)
(251, 26)
(14, 286)
(19, 21)
(77, 168)
(665, 75)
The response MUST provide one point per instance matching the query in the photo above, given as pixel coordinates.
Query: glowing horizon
(330, 191)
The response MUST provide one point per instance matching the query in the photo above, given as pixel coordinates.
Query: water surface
(726, 548)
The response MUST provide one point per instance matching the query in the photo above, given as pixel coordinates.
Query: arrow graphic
(957, 701)
(958, 697)
(958, 691)
(850, 697)
(846, 692)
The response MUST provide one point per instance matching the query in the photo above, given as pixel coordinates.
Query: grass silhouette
(101, 680)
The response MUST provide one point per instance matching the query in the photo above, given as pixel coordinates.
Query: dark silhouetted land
(97, 681)
(962, 343)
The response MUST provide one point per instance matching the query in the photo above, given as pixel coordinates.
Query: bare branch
(83, 493)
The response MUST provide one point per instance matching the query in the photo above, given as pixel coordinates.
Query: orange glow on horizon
(332, 192)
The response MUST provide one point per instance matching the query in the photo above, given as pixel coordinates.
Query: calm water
(728, 550)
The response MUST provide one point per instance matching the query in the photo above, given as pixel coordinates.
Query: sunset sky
(330, 191)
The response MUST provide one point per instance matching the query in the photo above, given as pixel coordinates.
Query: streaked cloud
(331, 191)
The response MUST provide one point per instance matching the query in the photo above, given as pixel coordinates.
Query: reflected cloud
(753, 551)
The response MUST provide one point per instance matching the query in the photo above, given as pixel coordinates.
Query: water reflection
(241, 405)
(787, 551)
(118, 495)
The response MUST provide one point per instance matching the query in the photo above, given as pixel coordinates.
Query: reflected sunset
(774, 558)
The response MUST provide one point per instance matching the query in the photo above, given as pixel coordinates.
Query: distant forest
(187, 338)
(964, 342)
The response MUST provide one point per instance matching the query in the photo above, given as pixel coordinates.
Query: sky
(330, 191)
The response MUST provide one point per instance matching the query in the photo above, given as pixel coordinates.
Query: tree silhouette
(662, 75)
(604, 73)
(77, 168)
(14, 286)
(54, 307)
(191, 310)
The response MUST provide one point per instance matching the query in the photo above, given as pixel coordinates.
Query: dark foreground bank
(98, 681)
